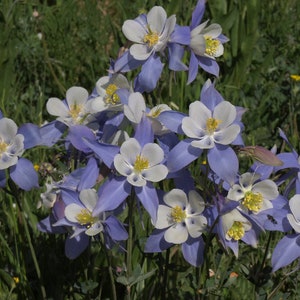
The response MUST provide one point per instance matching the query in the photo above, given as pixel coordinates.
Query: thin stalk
(110, 269)
(165, 275)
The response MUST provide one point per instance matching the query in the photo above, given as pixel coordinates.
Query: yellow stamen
(112, 97)
(3, 147)
(211, 46)
(151, 38)
(236, 231)
(212, 124)
(85, 217)
(178, 214)
(253, 201)
(140, 164)
(36, 167)
(75, 110)
(156, 112)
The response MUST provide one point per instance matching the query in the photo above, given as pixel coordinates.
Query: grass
(48, 46)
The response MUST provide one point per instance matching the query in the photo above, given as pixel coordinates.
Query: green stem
(110, 269)
(129, 241)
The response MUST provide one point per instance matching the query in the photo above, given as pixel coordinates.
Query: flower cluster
(125, 151)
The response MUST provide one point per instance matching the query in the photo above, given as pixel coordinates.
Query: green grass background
(48, 46)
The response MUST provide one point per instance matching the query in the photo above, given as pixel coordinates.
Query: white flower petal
(196, 203)
(176, 234)
(156, 18)
(294, 223)
(212, 31)
(199, 113)
(235, 193)
(155, 173)
(134, 31)
(191, 128)
(140, 51)
(94, 229)
(100, 85)
(76, 95)
(72, 211)
(294, 204)
(226, 112)
(196, 225)
(8, 130)
(176, 197)
(227, 135)
(198, 30)
(136, 180)
(267, 188)
(136, 108)
(122, 165)
(163, 217)
(130, 149)
(56, 107)
(153, 153)
(206, 143)
(89, 198)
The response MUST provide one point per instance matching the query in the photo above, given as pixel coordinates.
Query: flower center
(85, 218)
(178, 214)
(236, 231)
(75, 110)
(140, 164)
(151, 38)
(112, 97)
(211, 46)
(212, 124)
(253, 201)
(3, 147)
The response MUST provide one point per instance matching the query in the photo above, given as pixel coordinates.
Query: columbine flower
(252, 195)
(11, 143)
(82, 214)
(140, 164)
(153, 114)
(235, 225)
(205, 42)
(210, 127)
(76, 108)
(181, 217)
(149, 35)
(288, 248)
(110, 91)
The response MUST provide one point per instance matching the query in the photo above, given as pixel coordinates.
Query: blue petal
(76, 245)
(24, 174)
(76, 136)
(116, 229)
(209, 65)
(156, 242)
(148, 196)
(144, 132)
(172, 120)
(126, 63)
(192, 251)
(224, 162)
(286, 251)
(210, 97)
(198, 13)
(147, 79)
(45, 225)
(52, 132)
(181, 35)
(89, 175)
(31, 134)
(106, 152)
(193, 68)
(176, 52)
(182, 155)
(111, 194)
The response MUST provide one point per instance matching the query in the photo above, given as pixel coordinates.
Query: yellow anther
(253, 201)
(236, 231)
(75, 110)
(212, 124)
(140, 164)
(211, 46)
(151, 38)
(112, 97)
(3, 147)
(178, 214)
(85, 217)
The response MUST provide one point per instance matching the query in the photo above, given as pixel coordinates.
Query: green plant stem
(110, 269)
(16, 194)
(129, 241)
(165, 275)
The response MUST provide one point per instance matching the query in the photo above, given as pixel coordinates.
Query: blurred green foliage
(48, 46)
